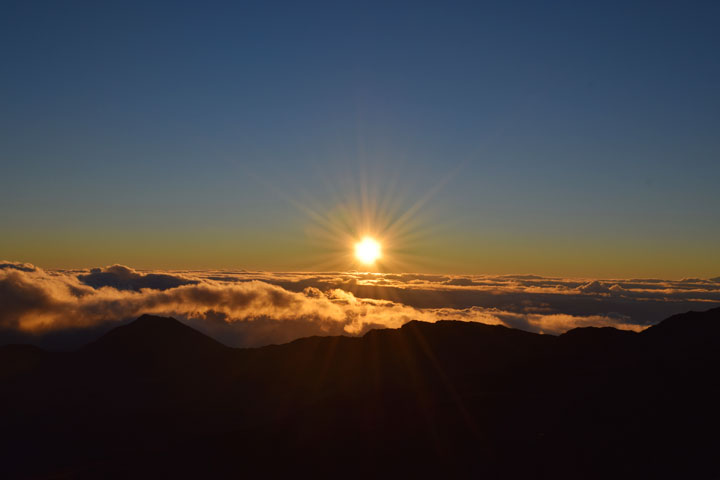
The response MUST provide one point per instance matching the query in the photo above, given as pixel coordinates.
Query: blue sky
(573, 138)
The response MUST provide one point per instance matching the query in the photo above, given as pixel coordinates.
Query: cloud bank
(67, 308)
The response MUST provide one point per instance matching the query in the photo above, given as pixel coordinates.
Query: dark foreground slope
(156, 398)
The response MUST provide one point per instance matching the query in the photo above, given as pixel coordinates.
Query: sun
(367, 250)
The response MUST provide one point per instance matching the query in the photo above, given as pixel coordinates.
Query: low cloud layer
(125, 278)
(63, 309)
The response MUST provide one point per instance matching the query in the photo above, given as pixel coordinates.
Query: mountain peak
(156, 334)
(145, 320)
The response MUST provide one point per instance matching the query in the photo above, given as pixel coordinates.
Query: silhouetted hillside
(156, 398)
(152, 333)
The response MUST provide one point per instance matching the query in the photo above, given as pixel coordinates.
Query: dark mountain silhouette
(156, 398)
(152, 338)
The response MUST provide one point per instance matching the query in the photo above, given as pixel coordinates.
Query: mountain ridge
(449, 398)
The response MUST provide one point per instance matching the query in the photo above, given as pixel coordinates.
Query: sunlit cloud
(255, 308)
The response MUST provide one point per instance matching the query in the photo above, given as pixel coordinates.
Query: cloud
(460, 281)
(23, 267)
(593, 287)
(257, 308)
(600, 288)
(125, 278)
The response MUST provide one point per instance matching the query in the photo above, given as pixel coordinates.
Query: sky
(575, 139)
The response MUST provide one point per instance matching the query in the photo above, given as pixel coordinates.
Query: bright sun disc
(367, 250)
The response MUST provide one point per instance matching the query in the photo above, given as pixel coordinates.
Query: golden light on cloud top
(368, 251)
